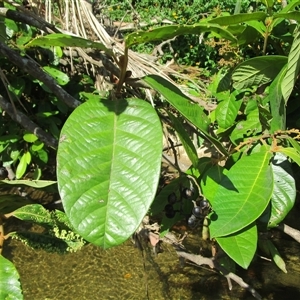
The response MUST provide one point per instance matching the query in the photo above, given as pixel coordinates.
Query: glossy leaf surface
(240, 246)
(108, 166)
(243, 194)
(10, 287)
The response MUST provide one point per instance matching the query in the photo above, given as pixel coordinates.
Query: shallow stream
(124, 273)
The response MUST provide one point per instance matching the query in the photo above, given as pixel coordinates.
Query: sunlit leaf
(293, 67)
(22, 166)
(243, 194)
(10, 287)
(35, 213)
(65, 40)
(291, 153)
(60, 77)
(29, 137)
(108, 166)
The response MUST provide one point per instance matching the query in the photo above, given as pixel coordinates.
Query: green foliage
(115, 146)
(10, 287)
(109, 154)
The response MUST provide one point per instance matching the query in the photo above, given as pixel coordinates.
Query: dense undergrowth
(108, 144)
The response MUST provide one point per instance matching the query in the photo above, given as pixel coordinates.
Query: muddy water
(123, 273)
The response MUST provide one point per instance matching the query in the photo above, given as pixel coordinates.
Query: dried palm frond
(77, 17)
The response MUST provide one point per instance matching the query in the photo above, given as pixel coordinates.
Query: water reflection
(124, 273)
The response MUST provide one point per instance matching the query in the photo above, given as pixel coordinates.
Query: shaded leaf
(170, 31)
(240, 246)
(243, 194)
(211, 180)
(185, 139)
(9, 203)
(108, 166)
(248, 127)
(284, 193)
(276, 256)
(257, 71)
(10, 287)
(191, 111)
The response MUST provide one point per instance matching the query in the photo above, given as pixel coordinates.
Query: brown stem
(36, 71)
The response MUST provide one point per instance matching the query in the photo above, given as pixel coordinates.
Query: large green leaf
(257, 71)
(284, 193)
(191, 111)
(240, 246)
(238, 18)
(65, 40)
(108, 166)
(170, 31)
(10, 287)
(293, 67)
(243, 194)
